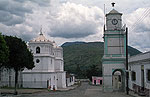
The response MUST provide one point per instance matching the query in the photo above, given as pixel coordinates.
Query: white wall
(137, 69)
(70, 81)
(107, 75)
(39, 80)
(7, 77)
(61, 79)
(109, 24)
(147, 84)
(135, 64)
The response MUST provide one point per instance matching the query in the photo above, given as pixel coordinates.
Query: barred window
(148, 75)
(133, 75)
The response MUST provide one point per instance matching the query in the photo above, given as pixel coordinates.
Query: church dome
(40, 38)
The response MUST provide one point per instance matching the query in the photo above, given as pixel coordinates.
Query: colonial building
(49, 65)
(113, 61)
(70, 79)
(139, 73)
(97, 80)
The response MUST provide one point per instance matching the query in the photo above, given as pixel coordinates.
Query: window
(37, 60)
(148, 75)
(133, 75)
(70, 79)
(51, 61)
(34, 80)
(37, 49)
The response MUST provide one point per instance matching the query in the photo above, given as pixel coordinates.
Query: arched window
(37, 49)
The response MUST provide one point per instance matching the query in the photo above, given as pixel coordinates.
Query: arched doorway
(118, 80)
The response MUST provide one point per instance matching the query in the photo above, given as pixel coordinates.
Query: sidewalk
(134, 94)
(31, 91)
(22, 91)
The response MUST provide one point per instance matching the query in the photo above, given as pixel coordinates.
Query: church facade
(49, 65)
(113, 61)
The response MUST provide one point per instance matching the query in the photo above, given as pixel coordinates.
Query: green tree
(93, 71)
(19, 56)
(4, 52)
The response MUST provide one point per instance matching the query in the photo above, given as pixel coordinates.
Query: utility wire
(139, 18)
(144, 15)
(145, 12)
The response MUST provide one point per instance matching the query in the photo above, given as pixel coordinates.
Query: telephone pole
(127, 72)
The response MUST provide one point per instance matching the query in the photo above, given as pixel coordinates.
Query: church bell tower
(113, 61)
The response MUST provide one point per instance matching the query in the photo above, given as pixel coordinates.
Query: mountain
(72, 43)
(81, 58)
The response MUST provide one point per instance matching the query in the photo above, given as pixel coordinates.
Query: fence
(10, 84)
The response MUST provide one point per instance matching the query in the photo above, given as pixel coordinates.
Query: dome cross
(41, 31)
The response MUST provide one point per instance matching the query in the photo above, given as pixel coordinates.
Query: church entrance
(118, 80)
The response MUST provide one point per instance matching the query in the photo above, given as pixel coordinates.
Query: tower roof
(113, 11)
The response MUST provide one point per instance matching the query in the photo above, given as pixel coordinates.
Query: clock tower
(113, 20)
(113, 61)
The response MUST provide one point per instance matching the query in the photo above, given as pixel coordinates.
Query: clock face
(114, 21)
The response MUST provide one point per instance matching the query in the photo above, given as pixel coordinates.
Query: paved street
(85, 90)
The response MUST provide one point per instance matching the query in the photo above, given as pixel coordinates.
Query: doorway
(100, 82)
(95, 82)
(142, 78)
(118, 80)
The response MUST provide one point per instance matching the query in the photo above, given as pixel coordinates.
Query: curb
(134, 94)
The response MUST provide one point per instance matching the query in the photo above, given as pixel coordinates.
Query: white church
(49, 65)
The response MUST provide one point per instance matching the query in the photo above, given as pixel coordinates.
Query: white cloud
(139, 31)
(76, 20)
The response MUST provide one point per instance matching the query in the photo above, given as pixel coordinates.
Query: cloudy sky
(73, 20)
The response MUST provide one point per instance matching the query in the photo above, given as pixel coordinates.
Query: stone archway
(118, 80)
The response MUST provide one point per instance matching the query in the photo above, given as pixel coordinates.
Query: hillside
(81, 58)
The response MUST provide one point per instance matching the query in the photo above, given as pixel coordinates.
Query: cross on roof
(41, 31)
